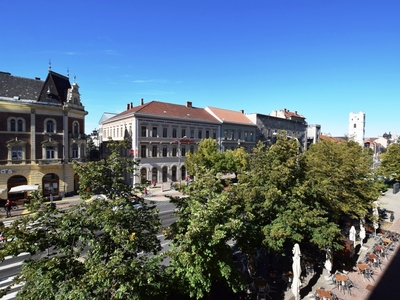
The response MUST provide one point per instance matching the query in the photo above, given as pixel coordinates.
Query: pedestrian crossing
(9, 268)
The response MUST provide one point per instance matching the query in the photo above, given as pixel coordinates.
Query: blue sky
(323, 59)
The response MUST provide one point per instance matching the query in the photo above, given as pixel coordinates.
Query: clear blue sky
(321, 58)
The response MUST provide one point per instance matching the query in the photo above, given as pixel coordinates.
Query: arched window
(20, 125)
(164, 174)
(143, 176)
(76, 128)
(50, 184)
(12, 125)
(174, 173)
(50, 126)
(154, 174)
(183, 172)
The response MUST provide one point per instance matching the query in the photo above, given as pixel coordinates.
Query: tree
(206, 223)
(101, 249)
(339, 178)
(266, 207)
(390, 163)
(276, 208)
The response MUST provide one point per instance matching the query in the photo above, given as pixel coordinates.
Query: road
(11, 266)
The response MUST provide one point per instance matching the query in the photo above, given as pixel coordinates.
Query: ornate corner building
(41, 134)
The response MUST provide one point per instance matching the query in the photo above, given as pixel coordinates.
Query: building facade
(161, 135)
(293, 123)
(236, 130)
(41, 134)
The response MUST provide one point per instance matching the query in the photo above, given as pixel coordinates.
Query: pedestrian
(391, 217)
(8, 207)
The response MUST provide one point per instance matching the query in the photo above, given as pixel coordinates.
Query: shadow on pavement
(387, 287)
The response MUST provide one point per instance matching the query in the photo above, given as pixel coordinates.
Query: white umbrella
(296, 268)
(362, 232)
(352, 236)
(23, 188)
(328, 262)
(375, 214)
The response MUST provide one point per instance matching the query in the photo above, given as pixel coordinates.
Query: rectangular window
(16, 153)
(199, 134)
(214, 134)
(164, 151)
(183, 151)
(207, 134)
(183, 132)
(191, 149)
(225, 134)
(165, 132)
(232, 135)
(174, 134)
(154, 151)
(174, 150)
(245, 135)
(154, 132)
(75, 152)
(192, 133)
(239, 134)
(143, 131)
(143, 151)
(50, 152)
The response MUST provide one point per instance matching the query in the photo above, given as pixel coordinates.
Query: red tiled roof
(157, 108)
(289, 115)
(225, 115)
(333, 139)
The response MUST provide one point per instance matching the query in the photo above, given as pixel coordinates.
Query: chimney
(188, 103)
(131, 104)
(141, 101)
(242, 111)
(127, 106)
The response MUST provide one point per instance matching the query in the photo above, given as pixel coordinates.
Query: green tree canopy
(101, 249)
(390, 162)
(340, 179)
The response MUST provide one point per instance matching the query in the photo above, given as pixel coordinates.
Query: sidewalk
(363, 289)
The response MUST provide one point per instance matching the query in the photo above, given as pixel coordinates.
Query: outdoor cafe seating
(323, 294)
(374, 260)
(342, 283)
(365, 271)
(262, 288)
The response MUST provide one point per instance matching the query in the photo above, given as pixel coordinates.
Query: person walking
(8, 207)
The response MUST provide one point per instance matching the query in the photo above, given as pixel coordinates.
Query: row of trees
(281, 197)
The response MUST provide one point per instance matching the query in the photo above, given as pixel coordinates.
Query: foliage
(390, 163)
(340, 179)
(268, 207)
(206, 222)
(101, 249)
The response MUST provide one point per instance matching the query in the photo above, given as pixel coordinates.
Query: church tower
(357, 127)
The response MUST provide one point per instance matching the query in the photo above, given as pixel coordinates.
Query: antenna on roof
(67, 72)
(49, 65)
(74, 78)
